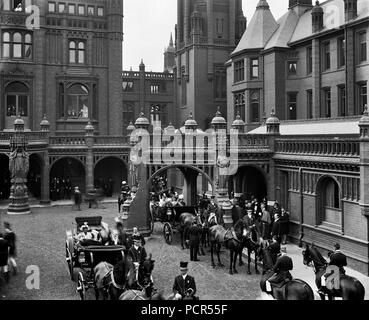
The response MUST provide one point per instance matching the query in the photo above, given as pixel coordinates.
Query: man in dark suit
(237, 212)
(193, 234)
(282, 270)
(184, 287)
(4, 254)
(337, 258)
(248, 219)
(275, 249)
(137, 252)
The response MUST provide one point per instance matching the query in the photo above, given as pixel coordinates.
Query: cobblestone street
(41, 242)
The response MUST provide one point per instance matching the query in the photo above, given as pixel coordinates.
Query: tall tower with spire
(170, 56)
(207, 32)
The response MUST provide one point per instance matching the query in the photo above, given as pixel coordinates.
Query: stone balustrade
(346, 147)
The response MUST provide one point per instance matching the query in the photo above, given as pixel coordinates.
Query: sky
(148, 24)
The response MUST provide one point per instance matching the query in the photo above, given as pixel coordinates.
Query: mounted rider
(184, 287)
(212, 220)
(275, 249)
(337, 258)
(281, 272)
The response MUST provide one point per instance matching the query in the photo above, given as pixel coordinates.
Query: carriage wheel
(168, 233)
(81, 288)
(69, 262)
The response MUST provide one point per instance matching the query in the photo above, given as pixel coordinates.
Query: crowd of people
(60, 189)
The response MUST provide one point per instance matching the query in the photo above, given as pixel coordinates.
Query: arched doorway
(109, 173)
(65, 174)
(34, 176)
(4, 177)
(329, 208)
(188, 181)
(251, 182)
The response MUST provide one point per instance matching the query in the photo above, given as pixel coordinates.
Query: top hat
(183, 265)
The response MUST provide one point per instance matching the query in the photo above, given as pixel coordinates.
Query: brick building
(69, 68)
(311, 69)
(152, 93)
(206, 33)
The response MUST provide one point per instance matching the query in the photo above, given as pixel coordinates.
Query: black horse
(251, 242)
(234, 241)
(113, 281)
(350, 287)
(295, 289)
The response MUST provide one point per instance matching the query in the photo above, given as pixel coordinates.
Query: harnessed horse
(350, 287)
(113, 281)
(294, 289)
(234, 241)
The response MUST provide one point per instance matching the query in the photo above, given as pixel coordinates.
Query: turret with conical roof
(260, 29)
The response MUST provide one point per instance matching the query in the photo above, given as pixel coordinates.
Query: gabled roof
(259, 30)
(334, 17)
(283, 34)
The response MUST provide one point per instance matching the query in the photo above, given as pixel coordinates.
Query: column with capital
(18, 167)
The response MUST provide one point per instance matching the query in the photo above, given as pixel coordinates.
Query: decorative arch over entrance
(4, 177)
(190, 174)
(251, 181)
(109, 173)
(66, 171)
(34, 177)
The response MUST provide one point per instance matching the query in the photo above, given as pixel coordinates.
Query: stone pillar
(45, 180)
(18, 167)
(273, 133)
(89, 135)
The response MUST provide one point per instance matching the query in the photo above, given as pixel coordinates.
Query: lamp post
(18, 167)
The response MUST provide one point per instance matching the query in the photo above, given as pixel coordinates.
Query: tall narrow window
(128, 115)
(292, 68)
(341, 52)
(72, 9)
(52, 7)
(309, 60)
(6, 45)
(91, 10)
(220, 84)
(184, 88)
(362, 98)
(342, 111)
(239, 105)
(326, 55)
(326, 112)
(254, 106)
(292, 106)
(17, 45)
(81, 9)
(362, 47)
(6, 5)
(81, 52)
(72, 52)
(78, 102)
(254, 68)
(61, 7)
(100, 11)
(239, 70)
(28, 46)
(309, 99)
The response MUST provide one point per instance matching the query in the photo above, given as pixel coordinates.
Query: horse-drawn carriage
(171, 220)
(87, 254)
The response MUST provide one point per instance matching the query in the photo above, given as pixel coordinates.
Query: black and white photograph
(201, 151)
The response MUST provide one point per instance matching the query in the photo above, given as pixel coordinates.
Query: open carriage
(86, 255)
(171, 220)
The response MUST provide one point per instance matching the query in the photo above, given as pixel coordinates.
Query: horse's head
(311, 256)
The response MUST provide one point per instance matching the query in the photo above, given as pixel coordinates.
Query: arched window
(17, 45)
(78, 102)
(77, 51)
(329, 203)
(17, 99)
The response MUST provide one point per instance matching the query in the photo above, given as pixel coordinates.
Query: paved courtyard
(41, 242)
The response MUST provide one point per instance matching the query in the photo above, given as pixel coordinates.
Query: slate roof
(314, 128)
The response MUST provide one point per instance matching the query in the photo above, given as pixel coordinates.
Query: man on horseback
(275, 249)
(184, 287)
(337, 258)
(281, 272)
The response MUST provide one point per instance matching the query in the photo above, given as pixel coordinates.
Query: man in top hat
(184, 285)
(193, 235)
(137, 252)
(137, 235)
